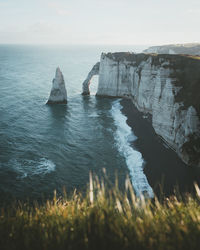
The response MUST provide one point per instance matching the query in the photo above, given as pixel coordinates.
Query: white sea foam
(93, 115)
(134, 160)
(31, 167)
(44, 166)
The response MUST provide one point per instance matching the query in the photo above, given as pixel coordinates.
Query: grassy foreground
(103, 218)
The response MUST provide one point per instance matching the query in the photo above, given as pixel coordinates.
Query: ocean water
(47, 147)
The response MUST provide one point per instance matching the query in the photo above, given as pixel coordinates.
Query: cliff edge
(167, 87)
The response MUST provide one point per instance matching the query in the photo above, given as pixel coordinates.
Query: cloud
(194, 11)
(42, 27)
(62, 12)
(58, 8)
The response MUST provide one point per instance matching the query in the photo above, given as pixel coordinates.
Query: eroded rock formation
(167, 87)
(58, 93)
(86, 83)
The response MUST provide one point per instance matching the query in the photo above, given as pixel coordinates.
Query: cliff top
(103, 217)
(187, 48)
(185, 45)
(130, 56)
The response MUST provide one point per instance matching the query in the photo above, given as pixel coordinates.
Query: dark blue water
(42, 147)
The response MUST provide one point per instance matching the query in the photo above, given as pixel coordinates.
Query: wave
(93, 115)
(31, 168)
(134, 161)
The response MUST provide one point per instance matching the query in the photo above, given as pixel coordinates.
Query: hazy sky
(99, 21)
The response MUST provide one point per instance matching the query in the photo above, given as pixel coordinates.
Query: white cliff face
(86, 83)
(58, 91)
(152, 88)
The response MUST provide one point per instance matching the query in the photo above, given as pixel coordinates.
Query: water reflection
(57, 116)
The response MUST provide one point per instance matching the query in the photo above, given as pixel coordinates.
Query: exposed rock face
(86, 83)
(187, 48)
(167, 87)
(58, 93)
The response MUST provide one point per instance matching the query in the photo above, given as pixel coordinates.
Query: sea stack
(58, 93)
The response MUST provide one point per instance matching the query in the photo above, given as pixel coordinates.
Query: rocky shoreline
(163, 167)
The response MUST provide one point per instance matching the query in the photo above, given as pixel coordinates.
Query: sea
(44, 148)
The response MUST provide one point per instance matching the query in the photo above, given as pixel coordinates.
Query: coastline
(162, 167)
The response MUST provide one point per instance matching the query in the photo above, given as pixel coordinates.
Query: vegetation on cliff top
(103, 218)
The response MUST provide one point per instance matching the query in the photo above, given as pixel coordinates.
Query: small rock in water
(58, 93)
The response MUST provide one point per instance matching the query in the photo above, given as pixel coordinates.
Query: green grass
(103, 218)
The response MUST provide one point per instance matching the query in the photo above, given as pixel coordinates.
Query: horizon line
(98, 44)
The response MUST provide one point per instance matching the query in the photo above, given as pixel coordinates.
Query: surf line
(134, 161)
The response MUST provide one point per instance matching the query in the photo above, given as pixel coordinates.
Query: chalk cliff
(167, 87)
(187, 48)
(58, 93)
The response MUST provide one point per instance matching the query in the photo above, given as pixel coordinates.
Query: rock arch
(86, 83)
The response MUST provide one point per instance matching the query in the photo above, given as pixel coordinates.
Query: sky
(116, 22)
